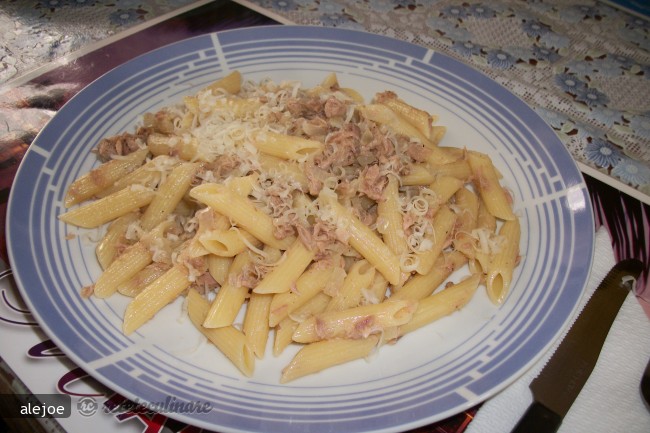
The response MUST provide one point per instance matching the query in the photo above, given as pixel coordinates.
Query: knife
(560, 381)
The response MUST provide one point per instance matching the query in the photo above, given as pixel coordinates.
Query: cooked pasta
(328, 222)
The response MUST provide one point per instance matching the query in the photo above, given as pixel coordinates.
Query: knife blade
(560, 381)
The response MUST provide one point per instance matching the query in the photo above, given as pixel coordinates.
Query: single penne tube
(242, 185)
(238, 107)
(485, 219)
(91, 183)
(420, 119)
(467, 203)
(154, 297)
(114, 239)
(218, 267)
(382, 114)
(230, 297)
(353, 94)
(148, 175)
(286, 146)
(308, 285)
(418, 174)
(444, 188)
(314, 306)
(320, 355)
(256, 323)
(502, 263)
(390, 222)
(459, 169)
(283, 276)
(359, 278)
(441, 304)
(363, 239)
(142, 279)
(485, 234)
(230, 83)
(227, 243)
(443, 226)
(283, 332)
(160, 121)
(163, 144)
(330, 81)
(124, 267)
(106, 209)
(437, 134)
(486, 180)
(355, 323)
(421, 286)
(376, 293)
(283, 167)
(168, 196)
(242, 211)
(229, 340)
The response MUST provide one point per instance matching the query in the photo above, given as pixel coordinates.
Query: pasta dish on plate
(320, 219)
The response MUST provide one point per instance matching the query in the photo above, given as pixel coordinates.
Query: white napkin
(611, 399)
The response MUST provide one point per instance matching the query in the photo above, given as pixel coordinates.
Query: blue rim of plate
(550, 196)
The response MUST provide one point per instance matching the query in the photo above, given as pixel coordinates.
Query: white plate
(431, 374)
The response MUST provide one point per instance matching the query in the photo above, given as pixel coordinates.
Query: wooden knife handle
(538, 419)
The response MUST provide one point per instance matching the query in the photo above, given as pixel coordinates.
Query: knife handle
(538, 419)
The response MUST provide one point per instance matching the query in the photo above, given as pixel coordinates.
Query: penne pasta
(486, 180)
(100, 178)
(154, 297)
(230, 83)
(114, 238)
(148, 175)
(359, 278)
(308, 285)
(231, 295)
(126, 266)
(364, 240)
(230, 341)
(107, 209)
(227, 243)
(421, 286)
(283, 277)
(314, 218)
(441, 304)
(168, 196)
(355, 323)
(318, 356)
(283, 335)
(256, 325)
(390, 221)
(443, 225)
(286, 146)
(218, 268)
(503, 262)
(241, 211)
(142, 279)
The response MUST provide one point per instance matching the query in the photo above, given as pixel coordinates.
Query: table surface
(583, 66)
